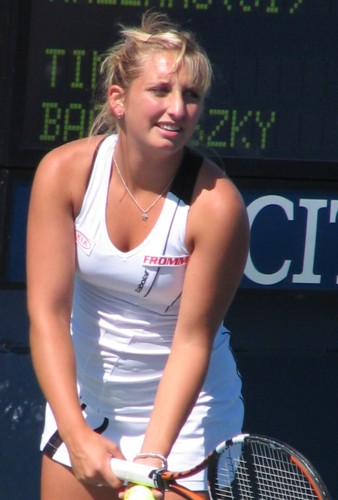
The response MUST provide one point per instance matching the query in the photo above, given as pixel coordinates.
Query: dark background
(270, 57)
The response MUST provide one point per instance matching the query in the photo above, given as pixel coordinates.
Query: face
(161, 107)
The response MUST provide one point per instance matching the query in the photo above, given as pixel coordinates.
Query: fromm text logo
(163, 260)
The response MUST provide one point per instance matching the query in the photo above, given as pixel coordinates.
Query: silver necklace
(144, 211)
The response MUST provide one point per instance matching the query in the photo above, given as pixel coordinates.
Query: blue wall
(21, 404)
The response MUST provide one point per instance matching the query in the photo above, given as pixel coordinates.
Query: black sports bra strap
(184, 182)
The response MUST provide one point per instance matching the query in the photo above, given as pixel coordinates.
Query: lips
(169, 127)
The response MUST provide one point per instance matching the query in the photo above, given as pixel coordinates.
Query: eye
(192, 95)
(160, 91)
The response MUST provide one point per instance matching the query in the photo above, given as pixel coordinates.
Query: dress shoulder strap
(185, 179)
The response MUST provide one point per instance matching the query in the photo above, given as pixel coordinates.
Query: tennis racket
(246, 467)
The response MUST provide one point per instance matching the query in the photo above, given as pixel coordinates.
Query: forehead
(163, 65)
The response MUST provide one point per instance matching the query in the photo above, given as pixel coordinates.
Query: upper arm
(218, 233)
(58, 189)
(50, 238)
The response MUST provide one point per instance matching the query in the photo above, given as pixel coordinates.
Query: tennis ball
(139, 493)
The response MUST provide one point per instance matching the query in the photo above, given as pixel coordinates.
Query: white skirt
(217, 415)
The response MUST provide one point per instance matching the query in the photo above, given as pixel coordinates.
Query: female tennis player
(136, 246)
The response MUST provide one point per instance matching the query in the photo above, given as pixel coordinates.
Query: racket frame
(165, 480)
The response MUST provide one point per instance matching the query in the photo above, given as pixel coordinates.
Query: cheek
(146, 107)
(194, 113)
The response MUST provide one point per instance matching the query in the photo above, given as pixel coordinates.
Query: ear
(116, 96)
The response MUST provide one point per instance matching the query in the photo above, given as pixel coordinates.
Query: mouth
(169, 127)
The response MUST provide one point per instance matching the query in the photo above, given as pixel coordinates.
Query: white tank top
(125, 303)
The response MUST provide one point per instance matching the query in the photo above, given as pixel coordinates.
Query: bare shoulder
(216, 194)
(66, 169)
(70, 156)
(218, 217)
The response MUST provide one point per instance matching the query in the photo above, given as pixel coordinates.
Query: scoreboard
(274, 96)
(271, 116)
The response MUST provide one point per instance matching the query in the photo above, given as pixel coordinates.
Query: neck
(147, 171)
(144, 210)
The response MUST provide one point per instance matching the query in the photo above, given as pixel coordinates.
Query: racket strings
(277, 475)
(256, 471)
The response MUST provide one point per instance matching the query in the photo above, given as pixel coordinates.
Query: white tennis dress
(124, 314)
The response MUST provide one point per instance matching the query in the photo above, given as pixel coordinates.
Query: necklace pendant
(144, 217)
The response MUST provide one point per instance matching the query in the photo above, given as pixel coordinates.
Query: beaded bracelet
(154, 455)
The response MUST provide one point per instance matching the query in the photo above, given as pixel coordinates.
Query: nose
(176, 107)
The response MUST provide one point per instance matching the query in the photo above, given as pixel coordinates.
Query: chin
(173, 143)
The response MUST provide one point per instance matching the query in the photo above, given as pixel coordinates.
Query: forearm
(177, 393)
(54, 365)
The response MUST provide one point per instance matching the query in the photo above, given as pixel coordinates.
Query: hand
(90, 455)
(157, 494)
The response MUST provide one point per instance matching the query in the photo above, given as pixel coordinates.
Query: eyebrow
(167, 81)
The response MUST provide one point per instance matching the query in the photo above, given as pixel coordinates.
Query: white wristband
(154, 455)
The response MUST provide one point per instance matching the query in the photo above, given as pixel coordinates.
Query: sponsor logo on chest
(165, 260)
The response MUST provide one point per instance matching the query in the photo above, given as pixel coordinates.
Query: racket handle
(133, 473)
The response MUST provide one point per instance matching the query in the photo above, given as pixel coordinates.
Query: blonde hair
(124, 61)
